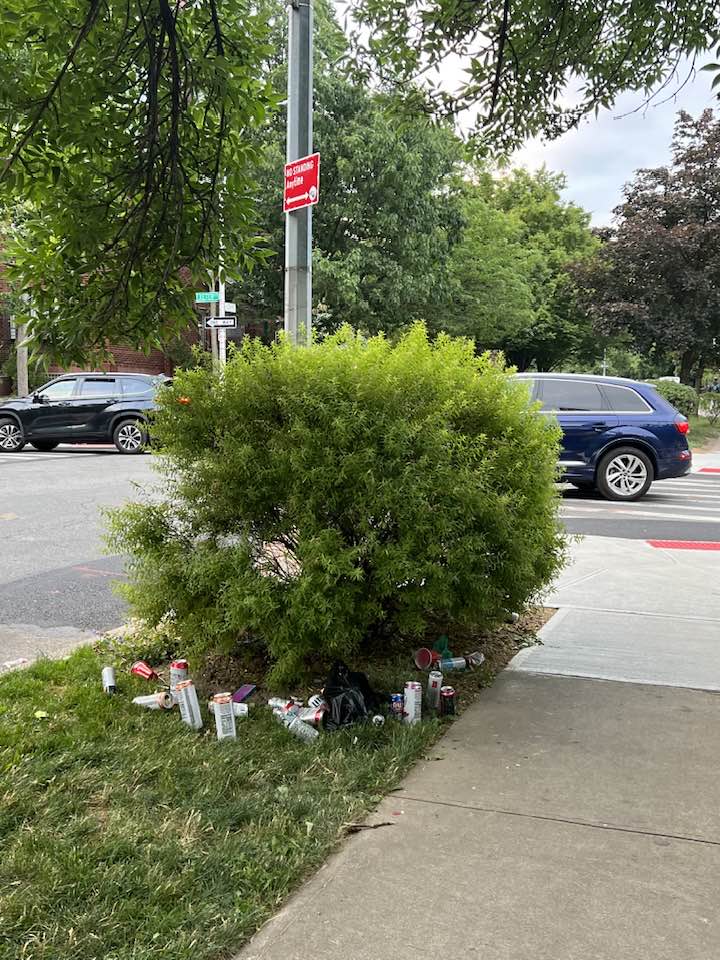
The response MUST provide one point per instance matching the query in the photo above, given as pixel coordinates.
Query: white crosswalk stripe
(695, 498)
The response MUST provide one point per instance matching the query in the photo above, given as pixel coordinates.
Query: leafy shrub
(331, 498)
(140, 640)
(680, 395)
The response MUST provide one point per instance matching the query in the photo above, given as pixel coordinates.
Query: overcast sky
(603, 154)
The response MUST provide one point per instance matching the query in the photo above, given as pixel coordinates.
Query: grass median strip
(126, 835)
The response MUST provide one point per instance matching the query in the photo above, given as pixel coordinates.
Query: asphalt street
(56, 578)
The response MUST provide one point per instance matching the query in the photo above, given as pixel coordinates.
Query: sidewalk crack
(569, 820)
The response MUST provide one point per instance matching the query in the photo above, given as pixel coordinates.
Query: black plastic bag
(349, 697)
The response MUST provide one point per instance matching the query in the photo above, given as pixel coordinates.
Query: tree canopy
(512, 287)
(657, 278)
(124, 128)
(530, 67)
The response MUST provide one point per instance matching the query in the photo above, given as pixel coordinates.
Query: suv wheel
(625, 474)
(129, 436)
(44, 445)
(11, 436)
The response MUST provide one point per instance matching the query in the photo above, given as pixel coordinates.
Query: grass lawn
(126, 836)
(702, 432)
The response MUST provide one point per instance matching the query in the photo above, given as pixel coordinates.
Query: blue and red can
(397, 705)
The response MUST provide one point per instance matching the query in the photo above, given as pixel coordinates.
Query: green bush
(327, 499)
(681, 396)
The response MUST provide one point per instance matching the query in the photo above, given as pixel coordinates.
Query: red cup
(424, 658)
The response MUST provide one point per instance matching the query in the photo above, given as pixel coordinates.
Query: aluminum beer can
(475, 659)
(108, 680)
(299, 728)
(317, 701)
(224, 716)
(155, 701)
(434, 683)
(447, 701)
(413, 702)
(396, 705)
(179, 670)
(313, 715)
(283, 705)
(454, 663)
(143, 670)
(187, 699)
(240, 710)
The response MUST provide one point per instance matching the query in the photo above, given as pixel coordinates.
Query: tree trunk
(687, 362)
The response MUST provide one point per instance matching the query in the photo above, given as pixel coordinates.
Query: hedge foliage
(331, 498)
(680, 395)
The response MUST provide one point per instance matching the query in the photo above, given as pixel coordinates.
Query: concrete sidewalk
(561, 818)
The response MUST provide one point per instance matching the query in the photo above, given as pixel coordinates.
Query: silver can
(155, 701)
(224, 716)
(187, 699)
(434, 683)
(317, 701)
(313, 715)
(108, 680)
(412, 712)
(240, 710)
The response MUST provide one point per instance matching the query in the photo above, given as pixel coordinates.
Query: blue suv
(618, 435)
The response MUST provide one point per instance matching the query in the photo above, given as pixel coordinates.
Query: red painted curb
(709, 470)
(685, 544)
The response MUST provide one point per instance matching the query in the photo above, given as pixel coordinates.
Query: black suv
(82, 408)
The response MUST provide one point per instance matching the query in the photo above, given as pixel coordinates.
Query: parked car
(618, 435)
(82, 408)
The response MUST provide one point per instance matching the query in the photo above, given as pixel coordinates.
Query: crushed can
(143, 670)
(283, 705)
(155, 701)
(378, 720)
(108, 680)
(224, 716)
(313, 715)
(434, 683)
(447, 701)
(187, 699)
(412, 712)
(475, 659)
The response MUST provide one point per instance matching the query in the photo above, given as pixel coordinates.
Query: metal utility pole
(298, 223)
(22, 384)
(222, 332)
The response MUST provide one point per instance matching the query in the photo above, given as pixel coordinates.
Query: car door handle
(600, 425)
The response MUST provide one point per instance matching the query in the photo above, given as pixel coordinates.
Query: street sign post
(207, 296)
(302, 183)
(221, 322)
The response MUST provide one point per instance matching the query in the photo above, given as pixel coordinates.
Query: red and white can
(434, 683)
(313, 715)
(179, 670)
(187, 699)
(143, 670)
(224, 716)
(283, 705)
(155, 701)
(412, 712)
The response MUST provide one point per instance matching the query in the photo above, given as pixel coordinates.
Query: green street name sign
(207, 296)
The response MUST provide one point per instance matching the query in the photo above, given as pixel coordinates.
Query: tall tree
(657, 277)
(123, 126)
(390, 209)
(513, 289)
(521, 57)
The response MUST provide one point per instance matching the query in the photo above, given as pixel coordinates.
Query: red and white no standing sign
(302, 183)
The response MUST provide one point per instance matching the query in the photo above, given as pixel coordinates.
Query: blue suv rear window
(563, 396)
(625, 399)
